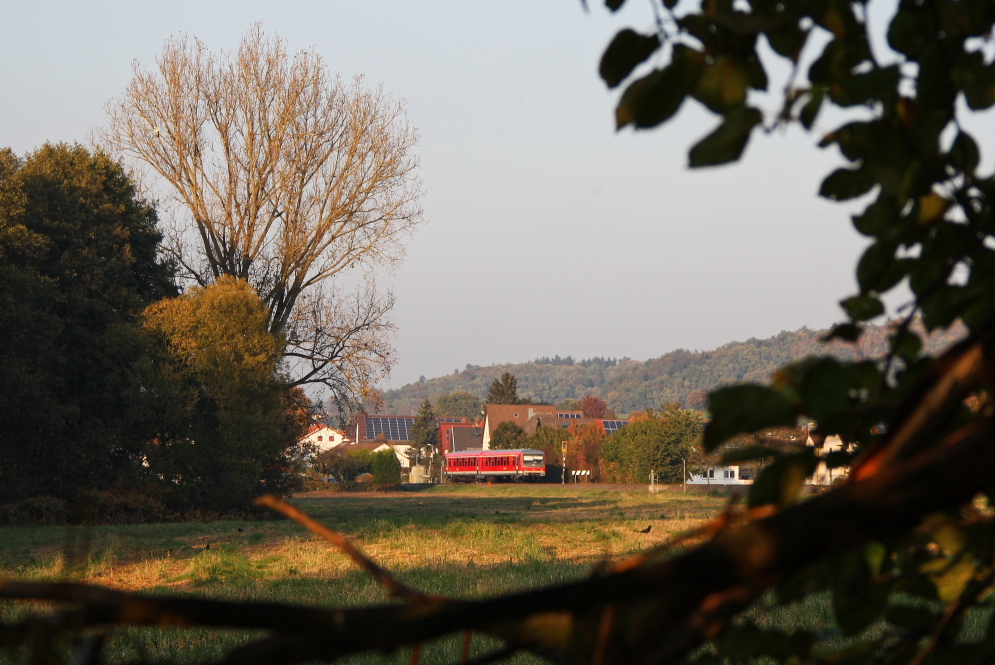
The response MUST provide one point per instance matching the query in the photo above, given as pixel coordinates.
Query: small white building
(720, 475)
(824, 445)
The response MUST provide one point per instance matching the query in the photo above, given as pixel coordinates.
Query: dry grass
(436, 527)
(464, 541)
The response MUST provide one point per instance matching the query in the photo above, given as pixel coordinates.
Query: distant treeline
(568, 360)
(682, 376)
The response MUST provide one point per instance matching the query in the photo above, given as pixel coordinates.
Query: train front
(533, 463)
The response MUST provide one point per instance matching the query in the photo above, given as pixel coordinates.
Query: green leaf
(656, 97)
(908, 31)
(863, 308)
(727, 142)
(874, 267)
(825, 388)
(950, 579)
(779, 483)
(838, 459)
(879, 84)
(625, 52)
(857, 601)
(849, 332)
(906, 345)
(722, 84)
(812, 107)
(878, 219)
(838, 60)
(788, 41)
(977, 80)
(964, 153)
(875, 554)
(745, 408)
(909, 617)
(844, 184)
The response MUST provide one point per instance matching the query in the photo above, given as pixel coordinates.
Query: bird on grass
(646, 530)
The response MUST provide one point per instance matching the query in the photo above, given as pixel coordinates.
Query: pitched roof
(465, 438)
(516, 413)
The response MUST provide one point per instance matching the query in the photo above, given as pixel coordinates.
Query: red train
(477, 465)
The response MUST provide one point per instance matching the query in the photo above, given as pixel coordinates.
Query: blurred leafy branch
(912, 522)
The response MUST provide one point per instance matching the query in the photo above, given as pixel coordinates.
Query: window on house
(320, 439)
(711, 473)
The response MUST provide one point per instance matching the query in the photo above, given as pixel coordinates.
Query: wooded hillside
(630, 385)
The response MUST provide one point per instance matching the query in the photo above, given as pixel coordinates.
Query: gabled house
(531, 417)
(824, 445)
(495, 414)
(321, 437)
(395, 431)
(454, 437)
(723, 475)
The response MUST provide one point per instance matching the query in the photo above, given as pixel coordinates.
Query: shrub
(118, 507)
(35, 510)
(386, 469)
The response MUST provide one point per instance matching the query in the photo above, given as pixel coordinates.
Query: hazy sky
(546, 231)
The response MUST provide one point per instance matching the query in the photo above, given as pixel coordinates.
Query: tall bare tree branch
(287, 177)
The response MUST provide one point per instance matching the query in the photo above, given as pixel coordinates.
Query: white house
(322, 437)
(720, 475)
(824, 445)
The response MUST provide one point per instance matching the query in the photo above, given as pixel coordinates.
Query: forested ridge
(682, 375)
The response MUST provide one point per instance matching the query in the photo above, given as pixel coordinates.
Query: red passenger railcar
(479, 465)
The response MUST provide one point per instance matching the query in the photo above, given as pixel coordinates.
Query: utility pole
(684, 474)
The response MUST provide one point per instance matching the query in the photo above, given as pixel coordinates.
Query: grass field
(463, 541)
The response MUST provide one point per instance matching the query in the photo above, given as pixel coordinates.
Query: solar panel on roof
(394, 428)
(612, 426)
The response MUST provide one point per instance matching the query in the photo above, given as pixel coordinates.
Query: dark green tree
(508, 436)
(386, 469)
(424, 432)
(459, 404)
(78, 261)
(503, 390)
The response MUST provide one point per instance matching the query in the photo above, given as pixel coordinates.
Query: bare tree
(284, 176)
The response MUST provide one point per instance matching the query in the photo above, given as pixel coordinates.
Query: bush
(345, 463)
(115, 507)
(315, 485)
(386, 469)
(112, 507)
(35, 510)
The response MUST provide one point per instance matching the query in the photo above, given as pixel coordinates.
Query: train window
(533, 460)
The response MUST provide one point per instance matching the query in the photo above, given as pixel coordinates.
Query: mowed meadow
(454, 540)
